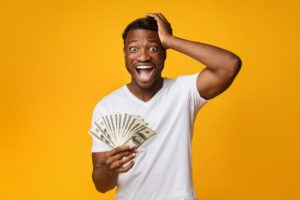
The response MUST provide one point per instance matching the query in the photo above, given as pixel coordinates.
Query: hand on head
(164, 28)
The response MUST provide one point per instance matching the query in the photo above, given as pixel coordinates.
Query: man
(161, 167)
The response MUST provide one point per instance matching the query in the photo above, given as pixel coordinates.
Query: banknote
(118, 129)
(140, 137)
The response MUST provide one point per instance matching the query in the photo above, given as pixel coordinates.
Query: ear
(165, 54)
(124, 52)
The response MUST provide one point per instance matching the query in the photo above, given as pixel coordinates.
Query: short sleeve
(98, 146)
(188, 84)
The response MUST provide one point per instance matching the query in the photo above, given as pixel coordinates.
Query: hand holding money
(120, 159)
(119, 129)
(107, 165)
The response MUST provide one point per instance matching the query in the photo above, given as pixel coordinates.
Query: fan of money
(121, 129)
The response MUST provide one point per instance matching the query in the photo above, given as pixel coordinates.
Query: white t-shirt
(162, 169)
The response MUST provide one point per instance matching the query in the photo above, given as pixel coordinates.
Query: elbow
(103, 189)
(102, 184)
(234, 65)
(237, 64)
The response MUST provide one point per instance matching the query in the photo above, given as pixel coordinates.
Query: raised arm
(222, 66)
(107, 166)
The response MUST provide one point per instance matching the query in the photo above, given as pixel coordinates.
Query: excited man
(160, 169)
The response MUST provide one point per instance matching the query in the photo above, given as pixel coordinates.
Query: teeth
(144, 67)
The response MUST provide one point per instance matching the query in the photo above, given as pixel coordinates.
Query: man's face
(144, 58)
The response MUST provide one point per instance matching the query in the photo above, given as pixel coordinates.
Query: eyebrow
(151, 41)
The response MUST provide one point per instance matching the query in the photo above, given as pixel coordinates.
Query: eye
(133, 49)
(153, 49)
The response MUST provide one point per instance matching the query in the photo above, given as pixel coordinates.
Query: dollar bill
(140, 137)
(119, 129)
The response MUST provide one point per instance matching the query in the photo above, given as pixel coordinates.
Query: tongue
(144, 75)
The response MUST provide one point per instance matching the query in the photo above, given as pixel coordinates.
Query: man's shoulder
(181, 80)
(114, 94)
(118, 91)
(108, 102)
(187, 77)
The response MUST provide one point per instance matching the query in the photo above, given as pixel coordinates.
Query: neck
(145, 94)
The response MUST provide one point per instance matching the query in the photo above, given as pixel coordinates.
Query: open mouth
(144, 72)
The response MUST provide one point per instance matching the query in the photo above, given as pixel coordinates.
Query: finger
(150, 15)
(126, 168)
(162, 22)
(119, 161)
(155, 16)
(118, 150)
(163, 18)
(158, 17)
(119, 156)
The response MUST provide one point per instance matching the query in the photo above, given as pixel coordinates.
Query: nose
(143, 56)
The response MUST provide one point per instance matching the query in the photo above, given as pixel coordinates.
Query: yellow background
(58, 58)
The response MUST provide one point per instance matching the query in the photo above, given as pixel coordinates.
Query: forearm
(222, 66)
(107, 166)
(104, 179)
(212, 57)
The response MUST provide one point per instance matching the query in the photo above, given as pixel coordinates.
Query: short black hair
(148, 23)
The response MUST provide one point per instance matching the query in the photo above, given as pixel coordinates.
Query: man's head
(144, 54)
